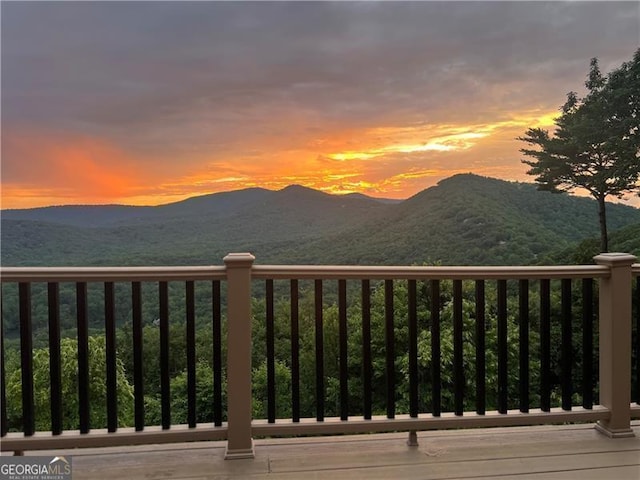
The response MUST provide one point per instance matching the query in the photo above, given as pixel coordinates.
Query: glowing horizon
(338, 172)
(204, 97)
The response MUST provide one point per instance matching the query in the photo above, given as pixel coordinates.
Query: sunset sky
(152, 102)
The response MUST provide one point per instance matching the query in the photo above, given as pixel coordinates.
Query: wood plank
(618, 473)
(172, 464)
(399, 467)
(547, 452)
(321, 456)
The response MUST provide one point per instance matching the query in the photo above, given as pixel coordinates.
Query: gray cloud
(164, 76)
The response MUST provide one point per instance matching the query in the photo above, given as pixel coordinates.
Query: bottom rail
(333, 425)
(17, 442)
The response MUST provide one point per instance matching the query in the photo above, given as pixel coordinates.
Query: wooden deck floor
(548, 452)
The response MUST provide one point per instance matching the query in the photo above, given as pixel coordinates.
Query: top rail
(635, 269)
(129, 274)
(110, 274)
(426, 273)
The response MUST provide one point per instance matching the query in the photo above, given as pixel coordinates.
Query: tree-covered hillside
(465, 219)
(625, 240)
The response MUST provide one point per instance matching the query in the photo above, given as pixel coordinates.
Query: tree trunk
(602, 213)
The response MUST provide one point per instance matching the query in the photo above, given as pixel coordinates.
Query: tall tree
(596, 144)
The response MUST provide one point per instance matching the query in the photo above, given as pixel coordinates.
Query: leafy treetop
(596, 144)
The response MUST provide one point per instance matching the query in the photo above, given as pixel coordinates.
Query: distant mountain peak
(363, 196)
(469, 176)
(298, 188)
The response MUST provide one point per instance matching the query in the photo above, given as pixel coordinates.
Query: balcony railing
(441, 329)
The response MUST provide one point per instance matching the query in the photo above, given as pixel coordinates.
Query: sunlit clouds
(390, 161)
(152, 102)
(61, 168)
(447, 138)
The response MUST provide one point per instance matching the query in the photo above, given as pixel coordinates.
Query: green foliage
(596, 145)
(283, 390)
(177, 370)
(69, 376)
(626, 240)
(204, 396)
(331, 351)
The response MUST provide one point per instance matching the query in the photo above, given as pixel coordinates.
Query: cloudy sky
(152, 102)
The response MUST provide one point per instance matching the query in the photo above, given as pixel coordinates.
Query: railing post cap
(239, 260)
(615, 259)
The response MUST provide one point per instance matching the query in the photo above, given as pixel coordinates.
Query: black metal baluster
(3, 393)
(390, 348)
(502, 347)
(165, 380)
(567, 354)
(191, 353)
(587, 343)
(413, 349)
(319, 352)
(110, 344)
(271, 364)
(138, 376)
(638, 340)
(545, 345)
(83, 355)
(366, 348)
(55, 368)
(480, 349)
(217, 353)
(458, 367)
(26, 358)
(523, 314)
(344, 368)
(435, 347)
(295, 353)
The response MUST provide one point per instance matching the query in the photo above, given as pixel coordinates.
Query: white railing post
(239, 439)
(615, 344)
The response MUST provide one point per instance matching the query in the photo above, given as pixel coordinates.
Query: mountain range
(465, 219)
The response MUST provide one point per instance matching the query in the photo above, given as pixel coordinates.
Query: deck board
(548, 452)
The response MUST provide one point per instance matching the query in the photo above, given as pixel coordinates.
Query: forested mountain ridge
(465, 219)
(626, 240)
(221, 204)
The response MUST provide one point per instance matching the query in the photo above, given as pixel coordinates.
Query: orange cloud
(39, 167)
(391, 161)
(398, 161)
(438, 138)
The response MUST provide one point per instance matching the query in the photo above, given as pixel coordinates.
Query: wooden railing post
(239, 439)
(615, 344)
